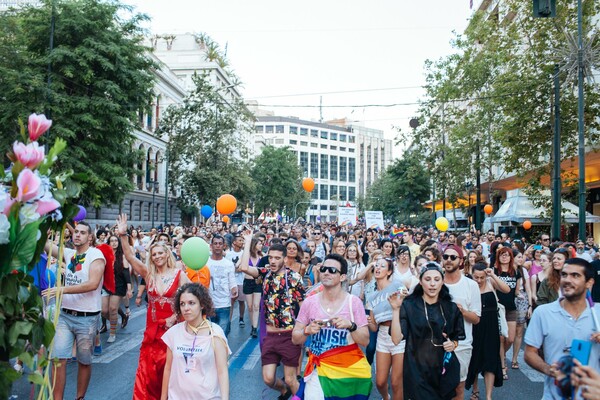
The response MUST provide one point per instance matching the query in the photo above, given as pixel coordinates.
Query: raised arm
(245, 261)
(136, 264)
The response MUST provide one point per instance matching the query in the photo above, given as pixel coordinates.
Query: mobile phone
(580, 350)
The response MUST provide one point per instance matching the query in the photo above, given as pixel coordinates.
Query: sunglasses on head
(331, 270)
(449, 256)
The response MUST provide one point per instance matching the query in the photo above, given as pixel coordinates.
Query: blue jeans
(222, 319)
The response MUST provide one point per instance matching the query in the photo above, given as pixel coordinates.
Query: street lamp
(152, 185)
(469, 188)
(296, 207)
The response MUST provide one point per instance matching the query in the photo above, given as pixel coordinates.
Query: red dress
(153, 353)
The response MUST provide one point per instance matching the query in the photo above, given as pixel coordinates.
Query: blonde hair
(152, 270)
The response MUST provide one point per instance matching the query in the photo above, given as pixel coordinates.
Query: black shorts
(250, 286)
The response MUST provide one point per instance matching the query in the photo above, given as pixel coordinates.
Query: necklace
(429, 323)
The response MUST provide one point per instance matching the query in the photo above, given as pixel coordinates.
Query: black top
(508, 299)
(596, 287)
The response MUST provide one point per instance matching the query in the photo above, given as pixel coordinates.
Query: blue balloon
(206, 211)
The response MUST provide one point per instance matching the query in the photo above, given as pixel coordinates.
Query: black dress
(423, 360)
(486, 343)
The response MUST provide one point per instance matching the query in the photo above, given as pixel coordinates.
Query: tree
(100, 78)
(278, 181)
(207, 145)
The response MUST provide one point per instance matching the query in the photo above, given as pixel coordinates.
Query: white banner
(347, 216)
(374, 219)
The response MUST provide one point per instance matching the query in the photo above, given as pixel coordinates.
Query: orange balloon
(308, 184)
(527, 225)
(226, 204)
(226, 219)
(488, 209)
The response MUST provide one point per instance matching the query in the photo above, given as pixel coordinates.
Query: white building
(330, 154)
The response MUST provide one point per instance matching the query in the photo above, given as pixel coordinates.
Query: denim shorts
(81, 330)
(385, 343)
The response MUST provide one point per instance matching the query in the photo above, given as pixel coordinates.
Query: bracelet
(304, 331)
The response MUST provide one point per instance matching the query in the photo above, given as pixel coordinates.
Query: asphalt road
(114, 371)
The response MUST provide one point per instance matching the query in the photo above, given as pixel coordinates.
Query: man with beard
(283, 293)
(465, 293)
(554, 326)
(223, 286)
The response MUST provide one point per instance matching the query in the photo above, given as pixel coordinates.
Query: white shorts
(463, 353)
(385, 344)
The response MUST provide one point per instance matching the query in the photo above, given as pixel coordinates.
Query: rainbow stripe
(344, 373)
(396, 232)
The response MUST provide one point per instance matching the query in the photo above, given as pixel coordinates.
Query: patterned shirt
(282, 295)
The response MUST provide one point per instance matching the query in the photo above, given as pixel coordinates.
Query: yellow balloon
(442, 224)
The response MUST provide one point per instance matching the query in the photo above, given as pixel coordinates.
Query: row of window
(315, 133)
(335, 168)
(334, 192)
(315, 145)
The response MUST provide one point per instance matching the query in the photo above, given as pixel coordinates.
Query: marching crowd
(433, 311)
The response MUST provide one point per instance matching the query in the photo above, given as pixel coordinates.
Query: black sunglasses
(331, 270)
(449, 256)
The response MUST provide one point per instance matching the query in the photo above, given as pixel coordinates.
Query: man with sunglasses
(283, 292)
(337, 324)
(465, 293)
(321, 247)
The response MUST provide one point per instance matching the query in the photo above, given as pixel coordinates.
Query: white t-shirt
(236, 257)
(466, 293)
(222, 280)
(194, 368)
(77, 273)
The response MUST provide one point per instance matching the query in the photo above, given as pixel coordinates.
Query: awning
(518, 208)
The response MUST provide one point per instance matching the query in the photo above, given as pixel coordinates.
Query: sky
(362, 55)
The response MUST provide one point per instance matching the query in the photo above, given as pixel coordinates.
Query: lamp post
(152, 185)
(468, 189)
(296, 207)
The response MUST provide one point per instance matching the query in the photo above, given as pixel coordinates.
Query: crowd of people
(433, 311)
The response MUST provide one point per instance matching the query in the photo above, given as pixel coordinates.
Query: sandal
(474, 396)
(515, 365)
(505, 373)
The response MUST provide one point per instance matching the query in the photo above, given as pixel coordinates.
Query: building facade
(330, 154)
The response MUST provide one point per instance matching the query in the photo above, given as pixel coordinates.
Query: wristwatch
(353, 327)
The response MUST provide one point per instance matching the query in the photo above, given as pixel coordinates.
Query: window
(323, 146)
(324, 166)
(293, 141)
(324, 135)
(352, 139)
(343, 194)
(351, 169)
(343, 168)
(279, 129)
(324, 192)
(342, 149)
(342, 137)
(314, 133)
(333, 136)
(351, 150)
(314, 145)
(260, 128)
(314, 164)
(303, 131)
(293, 130)
(333, 147)
(304, 162)
(304, 144)
(314, 195)
(333, 171)
(324, 207)
(333, 194)
(351, 193)
(269, 129)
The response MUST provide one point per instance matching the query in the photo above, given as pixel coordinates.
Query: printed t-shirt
(222, 280)
(281, 297)
(78, 272)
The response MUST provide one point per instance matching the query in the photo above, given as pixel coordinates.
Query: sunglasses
(449, 256)
(331, 270)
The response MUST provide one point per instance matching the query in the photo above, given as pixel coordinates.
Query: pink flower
(28, 185)
(30, 155)
(46, 204)
(38, 124)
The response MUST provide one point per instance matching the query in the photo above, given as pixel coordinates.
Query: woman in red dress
(162, 279)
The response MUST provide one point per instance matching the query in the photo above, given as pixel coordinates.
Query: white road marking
(123, 344)
(253, 358)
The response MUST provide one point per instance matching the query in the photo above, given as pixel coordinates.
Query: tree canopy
(92, 84)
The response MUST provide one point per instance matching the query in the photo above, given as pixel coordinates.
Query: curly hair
(201, 293)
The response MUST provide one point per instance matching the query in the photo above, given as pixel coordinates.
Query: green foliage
(278, 180)
(494, 98)
(400, 190)
(101, 76)
(207, 145)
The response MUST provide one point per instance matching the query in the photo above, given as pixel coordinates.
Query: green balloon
(195, 253)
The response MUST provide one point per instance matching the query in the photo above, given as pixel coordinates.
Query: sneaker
(18, 367)
(254, 333)
(285, 396)
(242, 323)
(111, 338)
(102, 329)
(98, 350)
(124, 321)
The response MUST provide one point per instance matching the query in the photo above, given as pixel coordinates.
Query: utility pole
(580, 122)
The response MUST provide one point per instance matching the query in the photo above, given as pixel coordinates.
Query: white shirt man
(223, 286)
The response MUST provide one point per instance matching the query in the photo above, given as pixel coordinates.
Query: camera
(326, 323)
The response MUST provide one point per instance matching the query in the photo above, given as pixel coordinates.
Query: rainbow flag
(396, 232)
(344, 373)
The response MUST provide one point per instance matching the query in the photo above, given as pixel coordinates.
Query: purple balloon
(81, 214)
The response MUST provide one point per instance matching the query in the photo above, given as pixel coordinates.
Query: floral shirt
(282, 295)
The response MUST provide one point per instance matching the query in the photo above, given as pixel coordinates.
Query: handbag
(450, 375)
(502, 324)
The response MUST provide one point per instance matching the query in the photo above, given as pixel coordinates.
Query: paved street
(114, 371)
